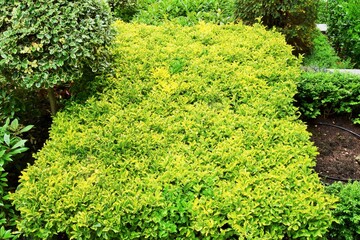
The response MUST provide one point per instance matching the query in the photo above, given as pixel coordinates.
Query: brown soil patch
(339, 150)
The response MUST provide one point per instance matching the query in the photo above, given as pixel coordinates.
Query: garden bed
(339, 150)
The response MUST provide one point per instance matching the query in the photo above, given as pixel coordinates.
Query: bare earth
(339, 150)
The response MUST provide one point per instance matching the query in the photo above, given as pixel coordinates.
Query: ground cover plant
(195, 138)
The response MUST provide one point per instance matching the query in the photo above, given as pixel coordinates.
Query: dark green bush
(9, 104)
(124, 9)
(344, 28)
(185, 12)
(17, 102)
(323, 55)
(294, 18)
(328, 93)
(10, 145)
(347, 212)
(195, 138)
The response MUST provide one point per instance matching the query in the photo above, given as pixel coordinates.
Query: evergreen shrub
(344, 28)
(294, 18)
(49, 42)
(195, 138)
(347, 212)
(185, 12)
(328, 93)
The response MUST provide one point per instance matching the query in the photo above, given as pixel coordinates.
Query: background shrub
(323, 15)
(328, 93)
(8, 102)
(195, 138)
(17, 102)
(323, 55)
(49, 42)
(124, 9)
(295, 19)
(185, 12)
(344, 28)
(347, 212)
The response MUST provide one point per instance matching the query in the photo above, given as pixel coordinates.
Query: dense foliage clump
(10, 145)
(344, 28)
(323, 55)
(195, 138)
(328, 93)
(347, 212)
(295, 19)
(185, 12)
(323, 15)
(48, 42)
(124, 9)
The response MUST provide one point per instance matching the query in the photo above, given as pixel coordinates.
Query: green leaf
(27, 128)
(7, 139)
(14, 124)
(7, 122)
(20, 143)
(5, 234)
(19, 150)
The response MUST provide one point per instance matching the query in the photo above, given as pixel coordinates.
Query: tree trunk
(52, 100)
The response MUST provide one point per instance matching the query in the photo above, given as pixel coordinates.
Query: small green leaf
(7, 122)
(27, 128)
(14, 124)
(19, 150)
(20, 143)
(7, 139)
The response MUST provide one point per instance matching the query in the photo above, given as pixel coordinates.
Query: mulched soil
(339, 149)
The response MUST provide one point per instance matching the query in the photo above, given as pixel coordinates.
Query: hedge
(328, 93)
(194, 138)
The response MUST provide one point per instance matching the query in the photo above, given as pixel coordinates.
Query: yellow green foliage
(194, 138)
